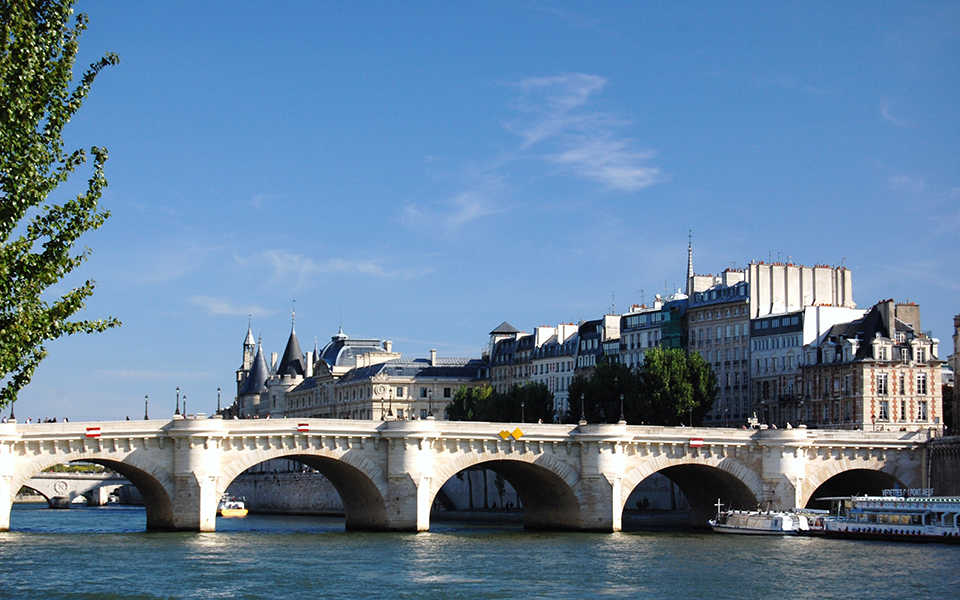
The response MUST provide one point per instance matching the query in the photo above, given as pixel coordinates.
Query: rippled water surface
(104, 553)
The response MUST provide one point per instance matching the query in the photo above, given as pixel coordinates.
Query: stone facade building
(877, 372)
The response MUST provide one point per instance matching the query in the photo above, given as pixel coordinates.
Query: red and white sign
(93, 432)
(696, 442)
(303, 427)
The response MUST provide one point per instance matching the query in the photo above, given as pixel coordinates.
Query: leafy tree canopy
(670, 388)
(527, 403)
(38, 97)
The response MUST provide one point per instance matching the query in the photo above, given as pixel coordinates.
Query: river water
(104, 553)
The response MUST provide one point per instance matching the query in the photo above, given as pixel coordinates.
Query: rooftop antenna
(613, 302)
(770, 256)
(842, 260)
(642, 297)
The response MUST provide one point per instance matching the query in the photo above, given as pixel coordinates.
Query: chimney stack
(433, 358)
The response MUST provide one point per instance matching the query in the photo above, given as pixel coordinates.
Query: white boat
(759, 522)
(897, 515)
(231, 507)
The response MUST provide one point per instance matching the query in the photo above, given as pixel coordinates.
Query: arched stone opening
(548, 500)
(363, 503)
(156, 500)
(702, 486)
(852, 482)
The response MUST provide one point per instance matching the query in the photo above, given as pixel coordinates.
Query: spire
(690, 263)
(248, 341)
(292, 361)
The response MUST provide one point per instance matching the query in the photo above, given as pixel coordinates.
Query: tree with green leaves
(530, 402)
(602, 393)
(676, 387)
(38, 97)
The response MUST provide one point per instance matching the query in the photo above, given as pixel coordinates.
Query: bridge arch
(360, 483)
(855, 476)
(151, 479)
(547, 487)
(702, 480)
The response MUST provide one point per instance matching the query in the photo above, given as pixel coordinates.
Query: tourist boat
(231, 507)
(897, 515)
(759, 522)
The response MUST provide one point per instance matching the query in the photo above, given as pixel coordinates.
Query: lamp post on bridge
(176, 413)
(623, 421)
(583, 411)
(218, 400)
(430, 402)
(146, 406)
(522, 414)
(184, 406)
(13, 417)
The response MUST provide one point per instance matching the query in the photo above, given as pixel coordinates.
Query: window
(922, 410)
(922, 384)
(903, 384)
(846, 385)
(423, 392)
(884, 414)
(400, 392)
(903, 410)
(882, 384)
(446, 392)
(921, 355)
(423, 413)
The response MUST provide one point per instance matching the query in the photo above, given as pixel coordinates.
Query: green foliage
(529, 403)
(38, 48)
(676, 387)
(670, 388)
(601, 395)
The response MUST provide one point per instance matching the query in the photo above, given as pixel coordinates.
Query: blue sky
(430, 169)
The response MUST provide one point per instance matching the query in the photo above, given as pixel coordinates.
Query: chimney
(433, 358)
(273, 362)
(308, 372)
(388, 346)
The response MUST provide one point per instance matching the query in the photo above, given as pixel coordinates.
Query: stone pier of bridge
(388, 473)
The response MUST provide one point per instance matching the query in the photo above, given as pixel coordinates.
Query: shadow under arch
(852, 482)
(549, 501)
(364, 505)
(703, 485)
(156, 499)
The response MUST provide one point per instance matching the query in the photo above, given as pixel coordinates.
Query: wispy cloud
(475, 202)
(907, 183)
(283, 266)
(888, 115)
(223, 306)
(558, 123)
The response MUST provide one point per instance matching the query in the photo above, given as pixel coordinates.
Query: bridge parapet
(392, 470)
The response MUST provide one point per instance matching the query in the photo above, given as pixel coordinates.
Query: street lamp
(430, 402)
(522, 418)
(184, 406)
(218, 400)
(146, 406)
(13, 417)
(583, 411)
(177, 412)
(622, 419)
(390, 403)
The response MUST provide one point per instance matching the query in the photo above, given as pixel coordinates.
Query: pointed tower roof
(504, 329)
(256, 382)
(248, 341)
(292, 361)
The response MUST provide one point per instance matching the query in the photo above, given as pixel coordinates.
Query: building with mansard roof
(876, 372)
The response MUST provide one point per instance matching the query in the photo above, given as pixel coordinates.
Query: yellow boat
(231, 508)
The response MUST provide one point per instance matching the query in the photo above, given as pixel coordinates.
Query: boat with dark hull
(898, 515)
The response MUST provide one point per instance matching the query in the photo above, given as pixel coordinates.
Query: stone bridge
(568, 477)
(61, 489)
